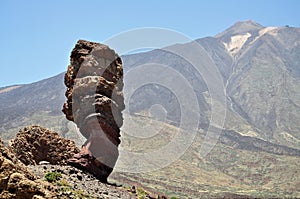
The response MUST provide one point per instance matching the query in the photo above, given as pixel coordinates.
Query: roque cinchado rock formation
(95, 102)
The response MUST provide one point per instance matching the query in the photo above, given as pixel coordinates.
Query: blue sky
(37, 36)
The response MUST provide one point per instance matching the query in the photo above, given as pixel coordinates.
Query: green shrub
(52, 176)
(141, 193)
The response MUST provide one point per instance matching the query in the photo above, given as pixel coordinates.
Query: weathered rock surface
(95, 102)
(34, 144)
(17, 182)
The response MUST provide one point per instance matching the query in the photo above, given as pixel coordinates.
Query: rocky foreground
(74, 183)
(33, 167)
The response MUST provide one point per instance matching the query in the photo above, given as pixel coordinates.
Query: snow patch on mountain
(236, 43)
(268, 30)
(8, 89)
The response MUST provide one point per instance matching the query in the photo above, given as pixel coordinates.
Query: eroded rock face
(95, 102)
(34, 144)
(17, 182)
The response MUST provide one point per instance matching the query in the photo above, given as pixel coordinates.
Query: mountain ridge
(240, 27)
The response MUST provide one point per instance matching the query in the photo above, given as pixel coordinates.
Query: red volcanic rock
(95, 102)
(87, 162)
(34, 144)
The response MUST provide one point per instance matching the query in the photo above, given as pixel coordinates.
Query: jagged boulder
(34, 144)
(17, 182)
(95, 102)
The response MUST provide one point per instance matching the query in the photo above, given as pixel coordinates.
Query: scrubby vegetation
(52, 176)
(65, 189)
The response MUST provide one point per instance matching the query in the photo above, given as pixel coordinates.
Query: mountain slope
(36, 103)
(264, 84)
(241, 165)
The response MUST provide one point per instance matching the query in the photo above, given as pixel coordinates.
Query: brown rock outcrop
(17, 182)
(33, 144)
(95, 102)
